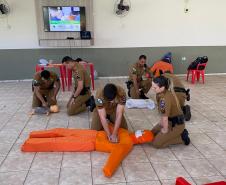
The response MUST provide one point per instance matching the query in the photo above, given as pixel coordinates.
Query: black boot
(129, 95)
(187, 112)
(91, 103)
(185, 137)
(142, 95)
(128, 85)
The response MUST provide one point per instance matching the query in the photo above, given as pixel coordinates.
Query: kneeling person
(46, 86)
(139, 84)
(81, 95)
(181, 93)
(171, 128)
(110, 104)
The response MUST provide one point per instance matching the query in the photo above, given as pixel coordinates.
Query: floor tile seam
(123, 171)
(29, 169)
(91, 169)
(201, 159)
(186, 170)
(182, 164)
(151, 164)
(214, 142)
(215, 167)
(15, 142)
(59, 175)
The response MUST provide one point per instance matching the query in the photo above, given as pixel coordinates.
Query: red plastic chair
(200, 70)
(182, 181)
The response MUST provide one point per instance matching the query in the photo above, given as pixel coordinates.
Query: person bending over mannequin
(45, 85)
(110, 103)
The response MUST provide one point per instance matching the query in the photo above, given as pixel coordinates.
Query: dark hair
(142, 57)
(78, 60)
(110, 91)
(45, 74)
(162, 81)
(66, 59)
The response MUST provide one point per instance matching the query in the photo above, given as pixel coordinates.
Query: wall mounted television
(64, 18)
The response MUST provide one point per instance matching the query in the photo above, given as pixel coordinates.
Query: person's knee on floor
(79, 99)
(138, 80)
(171, 114)
(45, 85)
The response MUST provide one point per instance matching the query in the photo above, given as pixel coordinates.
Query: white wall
(22, 20)
(149, 23)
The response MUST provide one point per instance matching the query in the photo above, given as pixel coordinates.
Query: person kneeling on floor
(45, 85)
(139, 82)
(171, 128)
(181, 93)
(110, 103)
(81, 97)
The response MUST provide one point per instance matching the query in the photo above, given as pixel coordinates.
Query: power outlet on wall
(186, 10)
(183, 59)
(186, 6)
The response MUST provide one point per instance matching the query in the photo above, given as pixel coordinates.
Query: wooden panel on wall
(59, 39)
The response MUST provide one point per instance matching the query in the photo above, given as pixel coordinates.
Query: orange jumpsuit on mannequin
(77, 140)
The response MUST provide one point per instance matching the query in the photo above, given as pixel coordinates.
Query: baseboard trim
(110, 77)
(22, 80)
(117, 77)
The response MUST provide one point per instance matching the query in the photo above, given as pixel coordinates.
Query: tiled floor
(204, 160)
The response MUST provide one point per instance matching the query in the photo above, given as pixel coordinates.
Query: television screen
(64, 18)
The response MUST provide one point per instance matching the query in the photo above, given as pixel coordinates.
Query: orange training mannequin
(77, 140)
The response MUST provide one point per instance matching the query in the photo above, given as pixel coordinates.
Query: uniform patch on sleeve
(35, 83)
(99, 102)
(134, 70)
(162, 105)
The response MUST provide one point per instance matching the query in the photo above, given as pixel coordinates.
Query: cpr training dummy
(113, 138)
(77, 140)
(45, 110)
(45, 86)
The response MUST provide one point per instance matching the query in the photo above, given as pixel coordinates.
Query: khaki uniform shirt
(140, 72)
(80, 74)
(110, 107)
(167, 104)
(39, 81)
